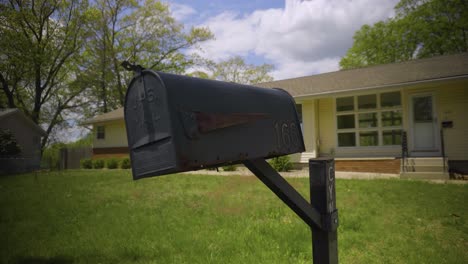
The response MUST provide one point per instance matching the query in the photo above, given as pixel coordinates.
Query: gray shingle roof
(4, 112)
(110, 116)
(441, 67)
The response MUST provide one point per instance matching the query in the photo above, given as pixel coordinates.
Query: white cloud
(304, 37)
(181, 12)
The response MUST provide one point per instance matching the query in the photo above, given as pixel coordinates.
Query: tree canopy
(60, 59)
(236, 70)
(420, 29)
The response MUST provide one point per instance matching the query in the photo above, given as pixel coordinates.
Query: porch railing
(404, 150)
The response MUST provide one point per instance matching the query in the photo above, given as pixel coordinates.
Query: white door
(424, 125)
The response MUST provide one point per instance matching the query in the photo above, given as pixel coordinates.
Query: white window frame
(379, 129)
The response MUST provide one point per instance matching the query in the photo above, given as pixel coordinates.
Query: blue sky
(298, 37)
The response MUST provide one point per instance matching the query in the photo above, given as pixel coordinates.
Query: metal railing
(404, 150)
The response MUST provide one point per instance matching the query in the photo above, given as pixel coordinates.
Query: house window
(299, 114)
(100, 132)
(369, 120)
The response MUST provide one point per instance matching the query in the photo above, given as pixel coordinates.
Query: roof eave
(394, 85)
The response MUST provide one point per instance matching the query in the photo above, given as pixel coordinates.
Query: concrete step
(425, 175)
(424, 168)
(425, 161)
(305, 156)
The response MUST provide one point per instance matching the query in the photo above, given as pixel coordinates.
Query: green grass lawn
(105, 217)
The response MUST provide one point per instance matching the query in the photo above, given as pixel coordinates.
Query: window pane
(368, 120)
(345, 104)
(100, 132)
(368, 139)
(422, 109)
(391, 118)
(367, 101)
(299, 112)
(390, 99)
(391, 137)
(345, 121)
(346, 139)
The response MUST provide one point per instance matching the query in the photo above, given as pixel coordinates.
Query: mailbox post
(323, 197)
(178, 123)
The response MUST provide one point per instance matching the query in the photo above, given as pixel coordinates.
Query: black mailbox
(179, 123)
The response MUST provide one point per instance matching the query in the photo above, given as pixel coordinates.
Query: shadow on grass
(43, 260)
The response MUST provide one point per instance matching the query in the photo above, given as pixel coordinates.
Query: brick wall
(377, 166)
(115, 152)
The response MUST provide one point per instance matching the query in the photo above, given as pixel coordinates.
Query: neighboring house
(359, 116)
(110, 135)
(28, 136)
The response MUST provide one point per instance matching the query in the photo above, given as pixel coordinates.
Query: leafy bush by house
(112, 163)
(86, 163)
(282, 163)
(125, 163)
(98, 163)
(8, 144)
(229, 168)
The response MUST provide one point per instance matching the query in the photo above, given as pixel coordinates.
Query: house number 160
(286, 135)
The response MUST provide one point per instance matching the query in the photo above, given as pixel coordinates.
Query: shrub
(112, 163)
(229, 168)
(98, 163)
(8, 144)
(86, 163)
(125, 163)
(282, 163)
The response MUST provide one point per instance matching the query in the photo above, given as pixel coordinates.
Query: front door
(424, 126)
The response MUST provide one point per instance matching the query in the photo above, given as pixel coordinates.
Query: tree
(236, 70)
(39, 44)
(144, 34)
(420, 29)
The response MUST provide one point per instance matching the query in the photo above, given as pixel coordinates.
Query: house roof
(371, 77)
(110, 116)
(5, 112)
(387, 75)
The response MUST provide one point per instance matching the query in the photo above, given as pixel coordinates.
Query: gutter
(324, 94)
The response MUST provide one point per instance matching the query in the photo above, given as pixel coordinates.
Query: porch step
(424, 168)
(425, 175)
(305, 156)
(432, 161)
(424, 165)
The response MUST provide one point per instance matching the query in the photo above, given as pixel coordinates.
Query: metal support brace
(321, 215)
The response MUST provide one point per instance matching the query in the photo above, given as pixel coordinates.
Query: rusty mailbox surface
(177, 123)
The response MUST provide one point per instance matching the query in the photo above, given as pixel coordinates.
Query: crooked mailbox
(179, 123)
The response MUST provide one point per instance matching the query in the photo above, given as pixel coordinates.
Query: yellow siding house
(406, 118)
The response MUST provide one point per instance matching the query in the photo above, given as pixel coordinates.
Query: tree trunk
(8, 93)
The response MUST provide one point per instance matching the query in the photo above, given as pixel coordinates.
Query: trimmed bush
(98, 163)
(282, 163)
(86, 163)
(125, 163)
(112, 163)
(229, 168)
(8, 144)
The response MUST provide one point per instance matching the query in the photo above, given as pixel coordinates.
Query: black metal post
(321, 215)
(273, 180)
(323, 198)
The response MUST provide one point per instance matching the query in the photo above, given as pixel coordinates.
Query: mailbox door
(149, 128)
